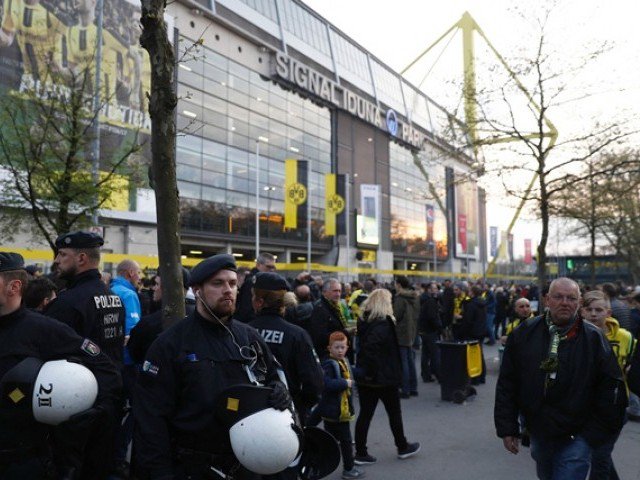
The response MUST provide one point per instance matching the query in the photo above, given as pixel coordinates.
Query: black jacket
(300, 315)
(90, 308)
(378, 358)
(474, 319)
(324, 321)
(23, 334)
(429, 319)
(587, 398)
(244, 309)
(292, 347)
(147, 330)
(184, 372)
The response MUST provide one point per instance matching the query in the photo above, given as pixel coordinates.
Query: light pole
(96, 108)
(260, 139)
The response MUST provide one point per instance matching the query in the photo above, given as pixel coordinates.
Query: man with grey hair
(327, 316)
(560, 374)
(266, 262)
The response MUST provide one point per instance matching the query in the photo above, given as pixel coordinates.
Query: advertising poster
(493, 239)
(368, 221)
(431, 220)
(48, 47)
(466, 219)
(527, 251)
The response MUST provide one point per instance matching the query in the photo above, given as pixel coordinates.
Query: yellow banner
(295, 193)
(333, 204)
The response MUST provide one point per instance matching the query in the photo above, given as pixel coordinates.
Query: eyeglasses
(565, 298)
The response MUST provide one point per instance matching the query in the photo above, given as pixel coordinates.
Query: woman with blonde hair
(379, 375)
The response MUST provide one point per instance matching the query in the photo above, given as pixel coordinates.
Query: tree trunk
(592, 257)
(162, 105)
(544, 237)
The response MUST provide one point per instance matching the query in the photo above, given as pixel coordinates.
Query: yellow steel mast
(468, 26)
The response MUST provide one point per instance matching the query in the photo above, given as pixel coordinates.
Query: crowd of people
(169, 402)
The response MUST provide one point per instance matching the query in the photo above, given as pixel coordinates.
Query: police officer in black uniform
(179, 435)
(25, 446)
(290, 344)
(89, 307)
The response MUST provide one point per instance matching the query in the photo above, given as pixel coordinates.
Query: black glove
(279, 398)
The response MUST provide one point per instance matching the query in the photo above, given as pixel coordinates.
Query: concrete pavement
(459, 441)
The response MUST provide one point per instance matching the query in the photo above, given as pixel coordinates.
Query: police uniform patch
(233, 404)
(89, 347)
(149, 367)
(16, 395)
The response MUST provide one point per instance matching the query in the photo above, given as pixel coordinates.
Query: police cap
(79, 240)
(269, 281)
(11, 261)
(209, 267)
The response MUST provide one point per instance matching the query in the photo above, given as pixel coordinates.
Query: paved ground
(459, 441)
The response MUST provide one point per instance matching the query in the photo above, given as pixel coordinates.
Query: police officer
(25, 446)
(89, 307)
(179, 435)
(290, 344)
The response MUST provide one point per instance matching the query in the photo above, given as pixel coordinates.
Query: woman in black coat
(379, 374)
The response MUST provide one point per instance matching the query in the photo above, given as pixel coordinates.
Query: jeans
(369, 397)
(341, 431)
(601, 462)
(561, 459)
(409, 376)
(430, 356)
(490, 331)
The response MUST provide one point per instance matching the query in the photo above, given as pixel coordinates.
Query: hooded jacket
(406, 309)
(621, 341)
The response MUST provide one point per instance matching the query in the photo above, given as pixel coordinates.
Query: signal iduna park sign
(292, 71)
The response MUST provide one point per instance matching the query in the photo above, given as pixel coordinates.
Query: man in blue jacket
(125, 285)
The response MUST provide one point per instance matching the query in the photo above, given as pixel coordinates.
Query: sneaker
(353, 473)
(364, 459)
(413, 394)
(408, 451)
(405, 395)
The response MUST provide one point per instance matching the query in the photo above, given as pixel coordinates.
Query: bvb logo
(335, 204)
(296, 193)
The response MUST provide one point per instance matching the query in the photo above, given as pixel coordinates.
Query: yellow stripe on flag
(290, 206)
(329, 212)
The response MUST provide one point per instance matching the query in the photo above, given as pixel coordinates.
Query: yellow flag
(295, 190)
(333, 204)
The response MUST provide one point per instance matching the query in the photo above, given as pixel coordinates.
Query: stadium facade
(270, 90)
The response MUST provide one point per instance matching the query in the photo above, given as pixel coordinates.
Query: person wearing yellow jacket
(596, 309)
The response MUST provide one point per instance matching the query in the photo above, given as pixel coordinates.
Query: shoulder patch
(89, 347)
(149, 367)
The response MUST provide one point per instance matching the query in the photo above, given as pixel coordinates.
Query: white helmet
(61, 390)
(263, 439)
(49, 392)
(265, 442)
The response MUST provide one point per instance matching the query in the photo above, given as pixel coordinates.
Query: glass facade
(225, 113)
(411, 194)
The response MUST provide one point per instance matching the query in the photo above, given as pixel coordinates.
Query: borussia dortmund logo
(296, 193)
(335, 204)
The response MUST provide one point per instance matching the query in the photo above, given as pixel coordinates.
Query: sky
(397, 32)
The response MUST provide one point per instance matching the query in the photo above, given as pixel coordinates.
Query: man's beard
(221, 309)
(67, 274)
